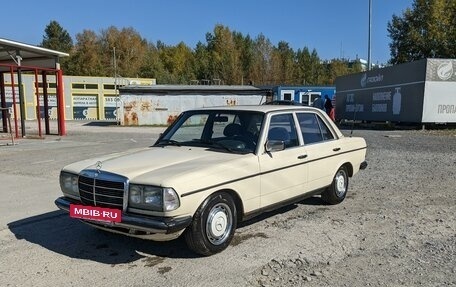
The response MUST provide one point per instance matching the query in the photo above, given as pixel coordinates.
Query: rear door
(323, 149)
(283, 172)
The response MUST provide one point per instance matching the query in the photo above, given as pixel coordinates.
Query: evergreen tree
(56, 38)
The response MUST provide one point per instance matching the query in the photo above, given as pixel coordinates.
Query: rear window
(313, 128)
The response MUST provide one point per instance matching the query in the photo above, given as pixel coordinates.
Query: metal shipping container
(418, 92)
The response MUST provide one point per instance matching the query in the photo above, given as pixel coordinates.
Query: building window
(91, 86)
(78, 86)
(49, 85)
(108, 87)
(85, 86)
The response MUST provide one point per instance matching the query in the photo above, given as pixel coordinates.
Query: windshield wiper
(214, 143)
(221, 145)
(164, 142)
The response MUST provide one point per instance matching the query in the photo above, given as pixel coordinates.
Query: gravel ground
(397, 226)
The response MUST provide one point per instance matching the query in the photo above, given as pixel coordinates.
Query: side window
(282, 127)
(313, 128)
(325, 131)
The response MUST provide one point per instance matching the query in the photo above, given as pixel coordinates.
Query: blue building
(302, 94)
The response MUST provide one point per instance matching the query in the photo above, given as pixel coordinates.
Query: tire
(336, 192)
(213, 225)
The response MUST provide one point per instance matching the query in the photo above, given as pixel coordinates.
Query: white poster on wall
(111, 101)
(52, 100)
(85, 107)
(9, 94)
(439, 102)
(85, 101)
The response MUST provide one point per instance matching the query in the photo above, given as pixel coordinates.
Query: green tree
(244, 45)
(227, 55)
(130, 49)
(334, 69)
(262, 71)
(85, 58)
(308, 69)
(178, 62)
(427, 30)
(202, 67)
(224, 56)
(152, 66)
(56, 38)
(283, 64)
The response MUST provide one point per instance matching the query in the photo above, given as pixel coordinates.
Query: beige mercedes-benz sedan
(211, 169)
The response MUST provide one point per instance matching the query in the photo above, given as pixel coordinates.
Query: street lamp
(115, 85)
(369, 60)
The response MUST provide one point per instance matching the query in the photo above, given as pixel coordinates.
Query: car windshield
(230, 131)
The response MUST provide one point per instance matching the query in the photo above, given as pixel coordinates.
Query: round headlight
(69, 183)
(74, 184)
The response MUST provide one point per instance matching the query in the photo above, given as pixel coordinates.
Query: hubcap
(219, 223)
(341, 183)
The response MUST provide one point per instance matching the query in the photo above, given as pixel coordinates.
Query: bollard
(8, 115)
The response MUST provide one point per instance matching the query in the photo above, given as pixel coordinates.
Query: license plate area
(101, 214)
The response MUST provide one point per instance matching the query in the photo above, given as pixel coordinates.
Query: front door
(283, 173)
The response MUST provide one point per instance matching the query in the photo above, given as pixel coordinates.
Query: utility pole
(115, 85)
(369, 59)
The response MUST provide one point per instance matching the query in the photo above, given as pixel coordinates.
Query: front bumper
(135, 223)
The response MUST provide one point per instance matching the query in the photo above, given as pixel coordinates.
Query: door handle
(302, 156)
(336, 149)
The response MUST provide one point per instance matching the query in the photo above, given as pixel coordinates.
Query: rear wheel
(213, 225)
(336, 192)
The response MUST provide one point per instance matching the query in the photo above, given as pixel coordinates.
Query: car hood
(172, 166)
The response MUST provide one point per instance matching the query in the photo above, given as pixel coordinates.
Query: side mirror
(274, 145)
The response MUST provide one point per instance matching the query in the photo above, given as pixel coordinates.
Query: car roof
(260, 108)
(283, 102)
(274, 108)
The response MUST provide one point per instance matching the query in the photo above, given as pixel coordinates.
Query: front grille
(102, 189)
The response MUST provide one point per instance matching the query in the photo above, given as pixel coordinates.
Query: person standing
(318, 103)
(328, 105)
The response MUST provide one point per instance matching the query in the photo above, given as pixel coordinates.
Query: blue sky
(335, 28)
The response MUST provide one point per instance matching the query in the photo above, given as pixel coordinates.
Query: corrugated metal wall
(163, 109)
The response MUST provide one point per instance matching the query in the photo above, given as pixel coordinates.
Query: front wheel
(213, 225)
(336, 192)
